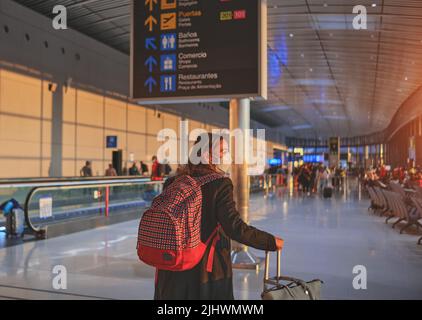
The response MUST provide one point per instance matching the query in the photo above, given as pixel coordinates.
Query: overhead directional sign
(151, 4)
(198, 50)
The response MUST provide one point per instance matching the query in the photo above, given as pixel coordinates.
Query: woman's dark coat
(197, 284)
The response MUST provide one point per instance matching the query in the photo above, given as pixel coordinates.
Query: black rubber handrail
(18, 182)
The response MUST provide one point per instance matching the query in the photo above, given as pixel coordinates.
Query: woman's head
(208, 153)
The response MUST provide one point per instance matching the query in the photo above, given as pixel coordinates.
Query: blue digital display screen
(313, 158)
(275, 162)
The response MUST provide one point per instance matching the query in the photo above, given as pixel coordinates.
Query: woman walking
(218, 208)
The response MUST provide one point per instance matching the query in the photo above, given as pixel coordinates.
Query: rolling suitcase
(15, 223)
(15, 218)
(328, 192)
(288, 288)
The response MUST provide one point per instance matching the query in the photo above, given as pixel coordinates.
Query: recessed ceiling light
(406, 78)
(291, 35)
(325, 5)
(374, 5)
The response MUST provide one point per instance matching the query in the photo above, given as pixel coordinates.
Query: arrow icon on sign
(151, 21)
(150, 44)
(150, 63)
(150, 83)
(151, 4)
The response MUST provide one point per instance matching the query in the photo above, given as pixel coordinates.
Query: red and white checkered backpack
(169, 236)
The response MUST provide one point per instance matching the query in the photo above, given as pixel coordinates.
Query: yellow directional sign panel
(168, 21)
(168, 4)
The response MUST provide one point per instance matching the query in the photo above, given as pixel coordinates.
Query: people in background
(167, 168)
(144, 169)
(134, 171)
(156, 170)
(111, 172)
(125, 171)
(86, 170)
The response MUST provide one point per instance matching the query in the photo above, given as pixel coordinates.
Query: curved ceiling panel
(325, 78)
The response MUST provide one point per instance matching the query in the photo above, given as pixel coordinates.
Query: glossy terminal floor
(324, 239)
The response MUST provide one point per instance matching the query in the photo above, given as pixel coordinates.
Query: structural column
(240, 119)
(57, 133)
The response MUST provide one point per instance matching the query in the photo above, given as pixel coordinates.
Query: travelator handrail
(102, 183)
(21, 183)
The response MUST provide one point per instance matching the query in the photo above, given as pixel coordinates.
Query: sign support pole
(240, 119)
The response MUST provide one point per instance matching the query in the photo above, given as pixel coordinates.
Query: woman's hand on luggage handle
(279, 243)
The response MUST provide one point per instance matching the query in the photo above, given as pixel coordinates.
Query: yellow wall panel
(136, 144)
(136, 119)
(68, 168)
(90, 137)
(68, 141)
(115, 114)
(45, 168)
(46, 150)
(195, 125)
(152, 147)
(19, 168)
(46, 131)
(172, 122)
(19, 149)
(154, 124)
(90, 109)
(20, 94)
(88, 119)
(11, 130)
(69, 105)
(47, 102)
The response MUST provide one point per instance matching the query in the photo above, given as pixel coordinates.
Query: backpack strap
(208, 178)
(215, 237)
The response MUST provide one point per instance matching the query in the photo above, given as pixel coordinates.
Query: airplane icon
(168, 21)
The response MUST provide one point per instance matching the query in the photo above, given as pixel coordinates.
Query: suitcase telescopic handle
(267, 265)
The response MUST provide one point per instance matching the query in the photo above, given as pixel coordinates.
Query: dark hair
(202, 168)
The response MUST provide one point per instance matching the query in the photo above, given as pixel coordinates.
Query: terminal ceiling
(325, 78)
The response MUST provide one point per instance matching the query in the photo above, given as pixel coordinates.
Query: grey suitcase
(288, 288)
(15, 223)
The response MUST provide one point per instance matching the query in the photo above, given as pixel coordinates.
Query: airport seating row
(395, 202)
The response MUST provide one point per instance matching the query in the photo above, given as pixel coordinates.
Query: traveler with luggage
(194, 262)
